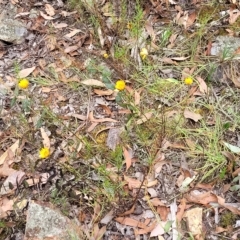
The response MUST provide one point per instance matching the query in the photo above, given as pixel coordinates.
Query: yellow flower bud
(143, 53)
(23, 83)
(120, 85)
(105, 55)
(44, 153)
(129, 25)
(188, 80)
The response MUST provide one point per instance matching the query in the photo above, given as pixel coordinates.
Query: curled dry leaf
(130, 222)
(71, 49)
(13, 150)
(49, 10)
(94, 120)
(72, 33)
(194, 116)
(46, 140)
(26, 72)
(93, 82)
(202, 85)
(137, 97)
(128, 155)
(181, 209)
(103, 92)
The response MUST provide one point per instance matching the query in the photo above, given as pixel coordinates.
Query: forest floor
(125, 116)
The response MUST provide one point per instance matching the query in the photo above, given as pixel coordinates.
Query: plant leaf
(234, 149)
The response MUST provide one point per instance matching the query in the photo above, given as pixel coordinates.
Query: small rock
(225, 46)
(11, 30)
(46, 222)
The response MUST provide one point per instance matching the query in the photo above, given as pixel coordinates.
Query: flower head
(129, 25)
(105, 55)
(44, 153)
(120, 85)
(188, 80)
(143, 53)
(23, 83)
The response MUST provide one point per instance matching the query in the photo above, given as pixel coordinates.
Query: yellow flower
(44, 152)
(105, 55)
(120, 85)
(129, 25)
(23, 83)
(143, 53)
(188, 80)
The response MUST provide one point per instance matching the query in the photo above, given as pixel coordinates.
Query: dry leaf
(93, 82)
(181, 209)
(106, 109)
(103, 92)
(51, 42)
(202, 85)
(158, 166)
(156, 202)
(11, 183)
(179, 58)
(163, 211)
(233, 207)
(99, 234)
(132, 183)
(46, 17)
(72, 33)
(49, 10)
(94, 120)
(168, 60)
(79, 116)
(127, 153)
(191, 19)
(194, 116)
(137, 97)
(158, 230)
(233, 15)
(130, 222)
(26, 72)
(100, 35)
(144, 117)
(5, 206)
(201, 198)
(150, 30)
(13, 149)
(145, 230)
(71, 49)
(108, 217)
(60, 25)
(46, 140)
(131, 210)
